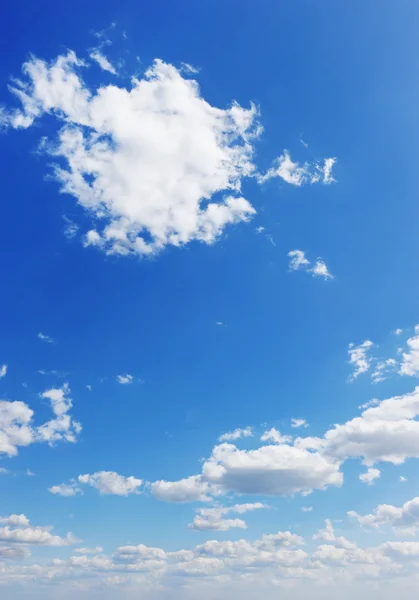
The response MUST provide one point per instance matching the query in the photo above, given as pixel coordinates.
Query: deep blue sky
(344, 76)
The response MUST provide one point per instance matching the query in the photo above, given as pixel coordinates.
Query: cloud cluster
(296, 174)
(18, 530)
(107, 482)
(17, 428)
(213, 518)
(404, 519)
(298, 261)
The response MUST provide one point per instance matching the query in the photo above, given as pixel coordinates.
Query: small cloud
(299, 261)
(359, 359)
(307, 508)
(70, 229)
(299, 423)
(102, 61)
(29, 473)
(65, 489)
(303, 142)
(402, 479)
(398, 331)
(3, 471)
(187, 68)
(271, 239)
(320, 270)
(89, 387)
(275, 436)
(125, 379)
(45, 338)
(298, 174)
(236, 434)
(219, 323)
(260, 229)
(370, 476)
(3, 371)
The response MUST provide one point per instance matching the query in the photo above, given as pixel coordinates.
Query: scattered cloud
(370, 476)
(3, 471)
(236, 434)
(298, 261)
(66, 489)
(125, 379)
(359, 358)
(299, 423)
(3, 371)
(398, 331)
(383, 369)
(296, 174)
(70, 229)
(404, 519)
(212, 518)
(30, 473)
(410, 359)
(102, 61)
(307, 509)
(45, 338)
(18, 530)
(402, 479)
(109, 482)
(303, 142)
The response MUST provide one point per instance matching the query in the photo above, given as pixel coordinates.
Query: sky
(209, 344)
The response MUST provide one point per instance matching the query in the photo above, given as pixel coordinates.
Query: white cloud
(273, 435)
(190, 489)
(398, 331)
(125, 379)
(65, 489)
(102, 61)
(3, 371)
(15, 426)
(15, 520)
(404, 519)
(144, 162)
(307, 509)
(18, 530)
(370, 476)
(410, 359)
(62, 426)
(236, 434)
(295, 174)
(298, 423)
(359, 359)
(300, 262)
(109, 482)
(402, 479)
(212, 518)
(382, 370)
(3, 471)
(45, 338)
(29, 473)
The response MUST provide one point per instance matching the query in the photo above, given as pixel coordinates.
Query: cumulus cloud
(273, 435)
(236, 434)
(62, 426)
(298, 261)
(404, 519)
(213, 518)
(145, 161)
(3, 371)
(102, 61)
(65, 489)
(109, 482)
(96, 550)
(410, 359)
(190, 489)
(17, 530)
(359, 358)
(370, 476)
(299, 423)
(298, 174)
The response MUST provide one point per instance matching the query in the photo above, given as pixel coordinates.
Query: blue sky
(185, 261)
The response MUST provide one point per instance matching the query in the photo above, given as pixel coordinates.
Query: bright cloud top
(298, 261)
(146, 161)
(296, 174)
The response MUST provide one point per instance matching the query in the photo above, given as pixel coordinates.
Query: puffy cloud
(370, 476)
(212, 518)
(190, 489)
(272, 470)
(109, 482)
(124, 379)
(236, 434)
(359, 359)
(404, 519)
(387, 431)
(15, 520)
(273, 435)
(398, 331)
(18, 530)
(15, 426)
(410, 359)
(45, 338)
(295, 174)
(144, 162)
(102, 61)
(62, 426)
(65, 489)
(298, 261)
(3, 371)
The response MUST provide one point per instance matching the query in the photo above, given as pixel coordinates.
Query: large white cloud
(144, 161)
